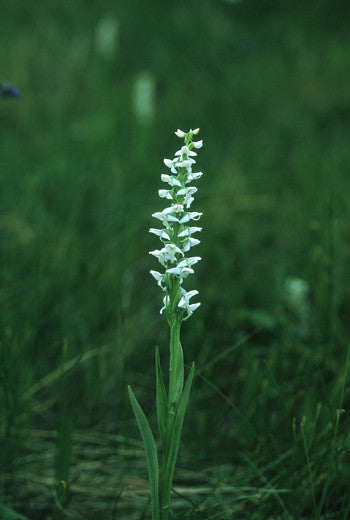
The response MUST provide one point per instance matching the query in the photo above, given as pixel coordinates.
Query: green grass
(267, 83)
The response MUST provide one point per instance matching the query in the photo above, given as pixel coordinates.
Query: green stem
(176, 383)
(164, 496)
(176, 368)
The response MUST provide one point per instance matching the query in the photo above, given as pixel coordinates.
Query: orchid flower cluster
(177, 233)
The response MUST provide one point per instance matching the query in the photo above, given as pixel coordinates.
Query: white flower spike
(176, 234)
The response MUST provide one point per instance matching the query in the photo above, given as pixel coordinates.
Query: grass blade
(302, 428)
(332, 452)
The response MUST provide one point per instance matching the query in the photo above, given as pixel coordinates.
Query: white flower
(170, 179)
(186, 296)
(190, 242)
(193, 176)
(191, 215)
(188, 231)
(183, 272)
(184, 191)
(170, 252)
(176, 208)
(170, 164)
(160, 255)
(166, 216)
(189, 261)
(195, 132)
(187, 192)
(185, 151)
(180, 133)
(159, 279)
(197, 144)
(184, 302)
(187, 163)
(188, 201)
(165, 194)
(161, 233)
(194, 215)
(167, 253)
(163, 217)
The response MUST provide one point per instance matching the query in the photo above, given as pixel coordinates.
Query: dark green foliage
(267, 83)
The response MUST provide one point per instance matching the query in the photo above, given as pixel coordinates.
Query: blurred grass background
(103, 88)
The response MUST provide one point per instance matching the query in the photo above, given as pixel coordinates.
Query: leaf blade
(151, 453)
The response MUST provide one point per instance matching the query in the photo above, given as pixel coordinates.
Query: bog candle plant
(177, 264)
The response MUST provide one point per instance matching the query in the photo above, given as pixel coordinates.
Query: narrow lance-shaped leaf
(151, 453)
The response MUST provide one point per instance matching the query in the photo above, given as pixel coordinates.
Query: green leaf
(162, 400)
(175, 440)
(151, 453)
